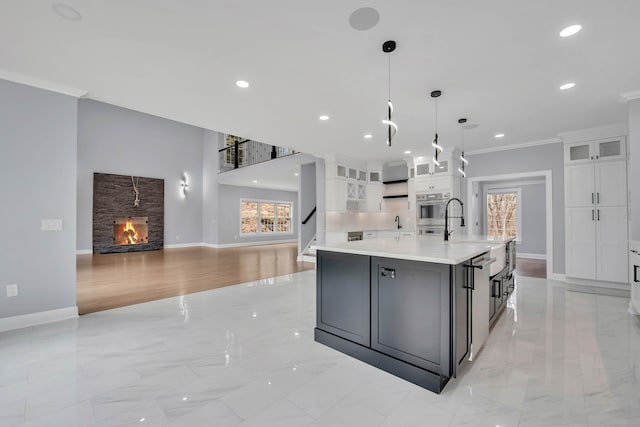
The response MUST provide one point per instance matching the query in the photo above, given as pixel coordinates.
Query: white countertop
(414, 248)
(481, 238)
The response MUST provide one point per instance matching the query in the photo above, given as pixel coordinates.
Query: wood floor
(115, 280)
(531, 267)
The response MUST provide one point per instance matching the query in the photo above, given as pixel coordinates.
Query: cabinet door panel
(578, 185)
(611, 188)
(343, 295)
(410, 316)
(612, 252)
(614, 148)
(581, 243)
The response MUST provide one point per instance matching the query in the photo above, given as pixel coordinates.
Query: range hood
(394, 172)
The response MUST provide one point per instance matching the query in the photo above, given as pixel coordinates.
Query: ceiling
(499, 63)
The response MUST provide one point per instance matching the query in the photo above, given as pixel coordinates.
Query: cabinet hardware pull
(592, 200)
(635, 274)
(598, 197)
(593, 213)
(598, 214)
(388, 272)
(591, 157)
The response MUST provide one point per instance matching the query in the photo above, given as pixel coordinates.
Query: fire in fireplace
(131, 230)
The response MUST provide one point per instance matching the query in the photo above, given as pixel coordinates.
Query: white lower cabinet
(597, 243)
(612, 245)
(581, 243)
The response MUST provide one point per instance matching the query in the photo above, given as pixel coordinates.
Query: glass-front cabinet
(601, 149)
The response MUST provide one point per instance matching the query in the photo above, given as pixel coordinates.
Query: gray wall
(38, 172)
(210, 160)
(533, 211)
(634, 173)
(120, 141)
(229, 213)
(307, 198)
(537, 158)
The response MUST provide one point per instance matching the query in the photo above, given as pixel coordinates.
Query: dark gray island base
(409, 318)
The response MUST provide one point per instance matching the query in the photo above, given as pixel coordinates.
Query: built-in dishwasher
(479, 297)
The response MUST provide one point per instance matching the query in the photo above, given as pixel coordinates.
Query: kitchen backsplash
(362, 221)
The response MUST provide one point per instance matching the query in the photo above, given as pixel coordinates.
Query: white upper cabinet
(610, 149)
(590, 151)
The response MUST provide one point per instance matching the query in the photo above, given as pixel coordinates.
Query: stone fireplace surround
(113, 196)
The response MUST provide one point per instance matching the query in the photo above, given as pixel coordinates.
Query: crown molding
(599, 132)
(628, 96)
(514, 146)
(42, 84)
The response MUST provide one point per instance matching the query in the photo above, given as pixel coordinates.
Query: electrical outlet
(12, 290)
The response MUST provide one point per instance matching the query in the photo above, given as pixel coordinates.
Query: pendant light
(388, 47)
(463, 161)
(438, 149)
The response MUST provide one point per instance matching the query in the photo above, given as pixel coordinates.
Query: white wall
(210, 161)
(38, 172)
(120, 141)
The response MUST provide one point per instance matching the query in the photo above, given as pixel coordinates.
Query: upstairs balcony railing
(247, 153)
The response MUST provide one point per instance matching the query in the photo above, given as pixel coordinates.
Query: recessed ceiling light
(570, 30)
(419, 158)
(255, 181)
(407, 152)
(499, 135)
(323, 117)
(368, 136)
(567, 86)
(243, 84)
(296, 174)
(67, 12)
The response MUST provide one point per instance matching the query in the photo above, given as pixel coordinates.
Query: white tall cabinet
(596, 212)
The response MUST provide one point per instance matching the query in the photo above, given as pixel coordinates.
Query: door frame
(548, 184)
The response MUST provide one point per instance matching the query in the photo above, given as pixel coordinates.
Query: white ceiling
(498, 62)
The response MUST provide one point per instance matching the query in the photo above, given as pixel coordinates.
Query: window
(503, 213)
(265, 217)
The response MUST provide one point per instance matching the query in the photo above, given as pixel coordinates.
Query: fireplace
(131, 230)
(128, 213)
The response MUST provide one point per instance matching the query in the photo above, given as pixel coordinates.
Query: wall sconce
(184, 184)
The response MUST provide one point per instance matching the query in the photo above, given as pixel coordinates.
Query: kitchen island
(400, 304)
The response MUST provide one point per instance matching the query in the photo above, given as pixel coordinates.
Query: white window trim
(258, 232)
(499, 190)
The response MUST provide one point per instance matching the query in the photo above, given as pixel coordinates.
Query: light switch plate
(12, 290)
(51, 225)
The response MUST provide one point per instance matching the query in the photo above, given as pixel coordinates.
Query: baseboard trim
(183, 245)
(39, 318)
(532, 256)
(235, 245)
(84, 252)
(599, 290)
(559, 277)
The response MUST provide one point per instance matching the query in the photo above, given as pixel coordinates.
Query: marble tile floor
(245, 356)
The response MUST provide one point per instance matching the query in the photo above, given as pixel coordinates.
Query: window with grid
(265, 217)
(503, 216)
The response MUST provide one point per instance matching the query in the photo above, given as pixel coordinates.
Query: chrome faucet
(397, 221)
(446, 217)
